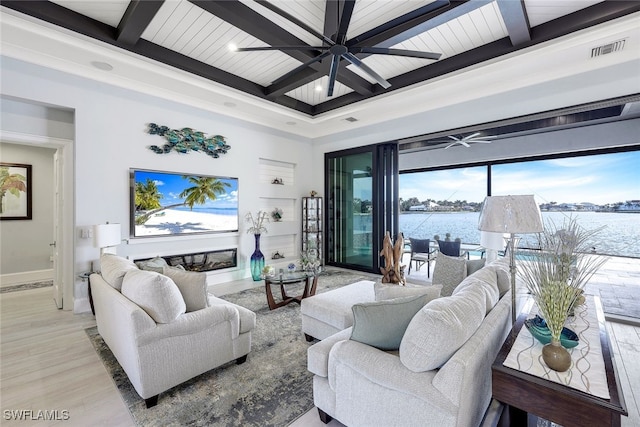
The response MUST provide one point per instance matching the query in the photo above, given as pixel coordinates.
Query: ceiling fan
(337, 47)
(467, 140)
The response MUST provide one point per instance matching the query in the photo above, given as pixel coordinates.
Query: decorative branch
(186, 139)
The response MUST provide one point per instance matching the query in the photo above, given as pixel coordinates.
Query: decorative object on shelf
(276, 214)
(15, 191)
(313, 193)
(257, 260)
(277, 255)
(513, 215)
(186, 139)
(312, 240)
(557, 275)
(393, 271)
(291, 267)
(277, 181)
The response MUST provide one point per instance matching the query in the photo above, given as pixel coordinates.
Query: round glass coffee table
(310, 280)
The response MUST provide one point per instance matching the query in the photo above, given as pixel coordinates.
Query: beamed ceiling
(196, 35)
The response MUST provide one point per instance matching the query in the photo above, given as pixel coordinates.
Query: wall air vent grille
(608, 48)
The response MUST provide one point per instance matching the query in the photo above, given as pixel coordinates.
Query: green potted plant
(556, 278)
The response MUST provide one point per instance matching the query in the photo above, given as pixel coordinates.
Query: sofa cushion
(381, 324)
(486, 279)
(154, 293)
(474, 265)
(192, 285)
(439, 329)
(113, 268)
(449, 272)
(156, 264)
(501, 267)
(384, 291)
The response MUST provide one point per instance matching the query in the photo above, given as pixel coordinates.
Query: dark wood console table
(288, 279)
(528, 397)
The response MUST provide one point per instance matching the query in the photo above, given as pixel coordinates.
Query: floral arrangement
(276, 214)
(557, 276)
(257, 222)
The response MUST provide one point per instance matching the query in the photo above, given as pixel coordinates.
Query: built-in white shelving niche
(289, 213)
(270, 170)
(285, 245)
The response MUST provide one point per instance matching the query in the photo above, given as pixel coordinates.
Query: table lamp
(107, 237)
(514, 215)
(492, 242)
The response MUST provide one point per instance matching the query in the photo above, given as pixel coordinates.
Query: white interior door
(58, 290)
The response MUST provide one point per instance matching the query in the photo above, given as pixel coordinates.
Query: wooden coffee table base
(286, 299)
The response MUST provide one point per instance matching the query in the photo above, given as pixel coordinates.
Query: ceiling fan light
(232, 47)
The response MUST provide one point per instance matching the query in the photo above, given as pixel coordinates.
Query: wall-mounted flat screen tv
(168, 203)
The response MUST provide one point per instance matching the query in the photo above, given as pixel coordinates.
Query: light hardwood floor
(48, 363)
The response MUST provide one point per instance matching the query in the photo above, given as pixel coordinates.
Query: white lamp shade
(510, 214)
(492, 240)
(107, 235)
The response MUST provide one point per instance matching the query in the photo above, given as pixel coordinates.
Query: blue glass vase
(257, 261)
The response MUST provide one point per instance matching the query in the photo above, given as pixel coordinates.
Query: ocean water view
(620, 237)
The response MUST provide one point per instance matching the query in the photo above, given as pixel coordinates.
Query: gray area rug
(272, 388)
(26, 286)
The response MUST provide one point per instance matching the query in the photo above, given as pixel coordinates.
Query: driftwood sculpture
(393, 271)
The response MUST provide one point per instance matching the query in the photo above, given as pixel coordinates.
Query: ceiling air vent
(605, 49)
(351, 119)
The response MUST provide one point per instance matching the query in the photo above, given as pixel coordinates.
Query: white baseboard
(81, 305)
(25, 277)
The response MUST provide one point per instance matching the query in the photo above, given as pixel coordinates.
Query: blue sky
(171, 185)
(600, 179)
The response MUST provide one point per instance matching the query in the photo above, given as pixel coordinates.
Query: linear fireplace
(203, 261)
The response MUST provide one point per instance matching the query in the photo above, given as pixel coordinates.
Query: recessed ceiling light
(230, 104)
(291, 123)
(318, 88)
(104, 66)
(232, 47)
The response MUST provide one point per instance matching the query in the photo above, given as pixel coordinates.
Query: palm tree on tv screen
(205, 188)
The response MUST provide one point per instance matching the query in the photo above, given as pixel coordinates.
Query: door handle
(52, 244)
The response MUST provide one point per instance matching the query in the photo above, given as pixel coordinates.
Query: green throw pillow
(381, 324)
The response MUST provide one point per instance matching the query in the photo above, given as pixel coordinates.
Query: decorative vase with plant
(556, 278)
(257, 228)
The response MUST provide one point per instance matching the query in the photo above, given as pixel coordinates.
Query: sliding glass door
(362, 203)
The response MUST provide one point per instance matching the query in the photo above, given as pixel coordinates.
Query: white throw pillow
(485, 279)
(154, 293)
(501, 267)
(438, 330)
(192, 285)
(113, 268)
(384, 291)
(449, 272)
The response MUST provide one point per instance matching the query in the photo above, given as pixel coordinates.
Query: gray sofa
(441, 373)
(166, 329)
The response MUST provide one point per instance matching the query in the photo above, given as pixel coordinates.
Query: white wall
(25, 243)
(111, 138)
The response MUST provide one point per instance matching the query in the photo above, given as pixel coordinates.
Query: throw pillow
(449, 272)
(192, 285)
(438, 330)
(474, 265)
(385, 292)
(113, 268)
(156, 264)
(501, 267)
(485, 279)
(154, 293)
(381, 324)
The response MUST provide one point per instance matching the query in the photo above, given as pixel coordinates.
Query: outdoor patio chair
(421, 253)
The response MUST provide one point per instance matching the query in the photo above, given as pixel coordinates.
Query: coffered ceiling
(196, 38)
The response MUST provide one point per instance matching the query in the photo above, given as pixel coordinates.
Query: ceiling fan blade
(464, 143)
(301, 67)
(473, 135)
(333, 73)
(294, 20)
(267, 48)
(454, 138)
(345, 20)
(364, 67)
(397, 52)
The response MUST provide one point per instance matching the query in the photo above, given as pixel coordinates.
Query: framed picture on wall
(15, 191)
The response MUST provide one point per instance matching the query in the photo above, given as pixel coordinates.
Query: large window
(599, 190)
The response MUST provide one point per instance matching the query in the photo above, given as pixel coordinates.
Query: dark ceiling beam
(514, 15)
(251, 22)
(136, 19)
(580, 20)
(66, 18)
